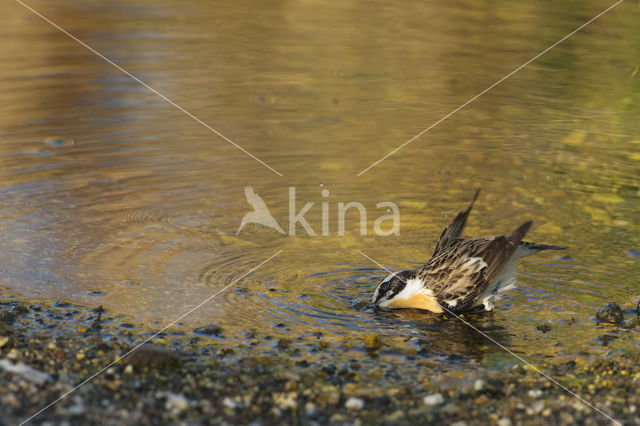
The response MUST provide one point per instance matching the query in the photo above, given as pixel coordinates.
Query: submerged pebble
(545, 328)
(611, 314)
(372, 341)
(209, 330)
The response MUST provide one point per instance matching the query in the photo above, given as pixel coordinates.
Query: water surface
(110, 196)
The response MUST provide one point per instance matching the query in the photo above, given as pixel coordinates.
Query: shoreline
(48, 348)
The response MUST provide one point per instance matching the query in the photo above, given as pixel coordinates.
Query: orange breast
(417, 301)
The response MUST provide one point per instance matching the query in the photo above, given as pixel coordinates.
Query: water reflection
(139, 214)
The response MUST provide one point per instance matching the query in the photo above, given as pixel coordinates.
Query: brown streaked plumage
(462, 274)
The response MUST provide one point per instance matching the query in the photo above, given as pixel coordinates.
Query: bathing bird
(462, 274)
(260, 214)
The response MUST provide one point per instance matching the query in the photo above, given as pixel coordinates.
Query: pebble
(333, 398)
(310, 409)
(504, 421)
(372, 341)
(479, 385)
(128, 369)
(286, 400)
(354, 403)
(537, 407)
(611, 314)
(535, 393)
(545, 328)
(433, 399)
(176, 403)
(209, 330)
(28, 373)
(152, 356)
(229, 403)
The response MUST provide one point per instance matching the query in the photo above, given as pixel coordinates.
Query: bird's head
(389, 288)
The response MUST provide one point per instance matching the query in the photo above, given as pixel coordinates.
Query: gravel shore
(200, 377)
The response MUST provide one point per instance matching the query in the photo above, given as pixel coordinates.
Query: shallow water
(110, 196)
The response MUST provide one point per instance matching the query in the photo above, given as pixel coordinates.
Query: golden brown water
(135, 206)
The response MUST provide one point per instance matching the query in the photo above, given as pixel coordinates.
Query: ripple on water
(58, 142)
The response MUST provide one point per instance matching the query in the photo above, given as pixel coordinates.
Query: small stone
(152, 356)
(310, 409)
(395, 417)
(13, 354)
(209, 330)
(176, 403)
(7, 317)
(372, 341)
(79, 356)
(545, 328)
(535, 393)
(354, 403)
(51, 346)
(433, 399)
(286, 400)
(479, 385)
(128, 369)
(20, 309)
(537, 406)
(611, 314)
(333, 398)
(76, 409)
(3, 340)
(481, 400)
(229, 403)
(113, 385)
(28, 373)
(504, 421)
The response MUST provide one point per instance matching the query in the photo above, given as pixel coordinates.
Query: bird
(462, 274)
(260, 214)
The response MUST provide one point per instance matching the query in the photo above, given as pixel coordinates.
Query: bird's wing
(462, 272)
(452, 232)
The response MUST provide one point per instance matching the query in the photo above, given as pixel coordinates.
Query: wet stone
(209, 330)
(7, 317)
(610, 314)
(372, 341)
(152, 357)
(545, 328)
